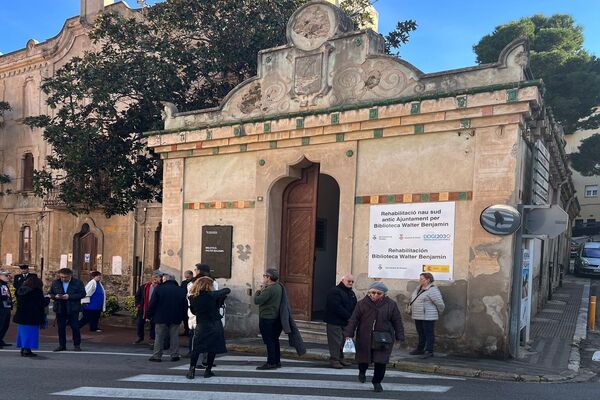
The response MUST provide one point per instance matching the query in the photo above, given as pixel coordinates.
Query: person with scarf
(142, 301)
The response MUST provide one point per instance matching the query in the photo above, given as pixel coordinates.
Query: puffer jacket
(428, 305)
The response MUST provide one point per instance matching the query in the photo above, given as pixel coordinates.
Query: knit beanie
(379, 286)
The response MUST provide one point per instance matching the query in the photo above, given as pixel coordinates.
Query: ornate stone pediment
(326, 64)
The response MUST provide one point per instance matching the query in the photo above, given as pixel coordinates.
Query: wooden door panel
(301, 297)
(298, 241)
(299, 267)
(88, 244)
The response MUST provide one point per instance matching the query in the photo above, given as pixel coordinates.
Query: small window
(591, 191)
(578, 222)
(25, 245)
(28, 172)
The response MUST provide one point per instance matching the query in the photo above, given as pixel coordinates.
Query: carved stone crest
(313, 23)
(308, 74)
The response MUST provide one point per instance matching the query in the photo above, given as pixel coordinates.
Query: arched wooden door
(298, 241)
(85, 248)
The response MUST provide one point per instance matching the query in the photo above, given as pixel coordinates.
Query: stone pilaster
(172, 217)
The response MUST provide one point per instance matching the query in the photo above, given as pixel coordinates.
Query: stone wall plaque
(216, 249)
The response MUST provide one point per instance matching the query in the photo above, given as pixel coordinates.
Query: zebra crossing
(237, 378)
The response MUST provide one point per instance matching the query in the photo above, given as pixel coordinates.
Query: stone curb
(409, 366)
(580, 329)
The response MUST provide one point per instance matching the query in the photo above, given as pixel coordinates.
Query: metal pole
(515, 297)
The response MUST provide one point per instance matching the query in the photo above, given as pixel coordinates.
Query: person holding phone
(67, 292)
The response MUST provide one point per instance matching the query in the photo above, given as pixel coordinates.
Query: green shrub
(128, 305)
(112, 305)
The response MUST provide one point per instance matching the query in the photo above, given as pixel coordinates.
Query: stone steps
(313, 331)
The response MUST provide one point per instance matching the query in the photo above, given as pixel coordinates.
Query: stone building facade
(39, 231)
(297, 160)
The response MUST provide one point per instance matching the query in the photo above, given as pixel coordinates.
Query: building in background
(587, 222)
(39, 231)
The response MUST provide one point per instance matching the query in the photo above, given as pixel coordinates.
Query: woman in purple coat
(376, 312)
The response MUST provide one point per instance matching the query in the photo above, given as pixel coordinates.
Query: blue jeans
(270, 329)
(426, 335)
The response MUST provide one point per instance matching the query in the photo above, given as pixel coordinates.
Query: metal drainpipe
(143, 246)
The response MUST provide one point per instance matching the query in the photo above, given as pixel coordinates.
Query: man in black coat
(67, 292)
(341, 301)
(23, 276)
(167, 308)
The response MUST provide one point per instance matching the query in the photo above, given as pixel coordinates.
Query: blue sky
(444, 39)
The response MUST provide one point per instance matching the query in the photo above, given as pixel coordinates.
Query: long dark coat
(388, 318)
(289, 325)
(209, 336)
(30, 306)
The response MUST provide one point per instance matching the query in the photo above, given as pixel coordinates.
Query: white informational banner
(408, 239)
(9, 259)
(64, 260)
(117, 265)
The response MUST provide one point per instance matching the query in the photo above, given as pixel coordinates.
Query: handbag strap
(417, 296)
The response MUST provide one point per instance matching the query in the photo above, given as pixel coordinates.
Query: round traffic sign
(500, 219)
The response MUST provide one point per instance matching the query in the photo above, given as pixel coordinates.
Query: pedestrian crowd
(365, 330)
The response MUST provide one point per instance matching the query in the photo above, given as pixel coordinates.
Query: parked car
(587, 261)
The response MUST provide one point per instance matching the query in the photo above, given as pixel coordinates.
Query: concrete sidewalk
(552, 356)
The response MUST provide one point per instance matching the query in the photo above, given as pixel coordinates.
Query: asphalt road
(104, 371)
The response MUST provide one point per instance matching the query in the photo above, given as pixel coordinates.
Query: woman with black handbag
(425, 306)
(377, 322)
